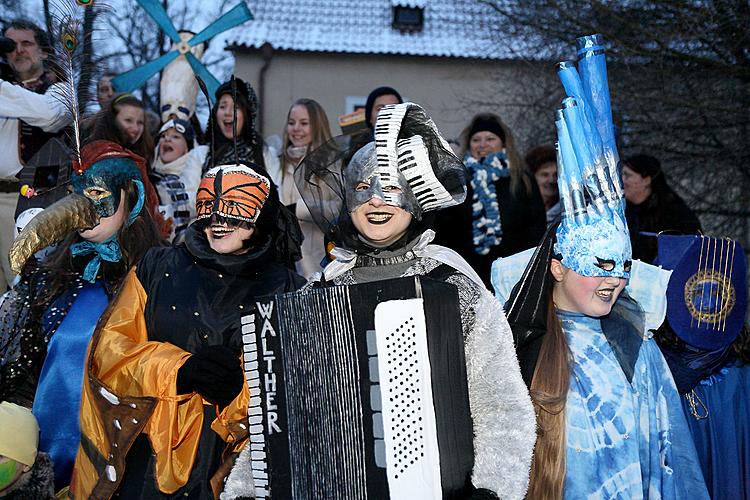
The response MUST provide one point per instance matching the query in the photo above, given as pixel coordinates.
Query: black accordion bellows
(359, 392)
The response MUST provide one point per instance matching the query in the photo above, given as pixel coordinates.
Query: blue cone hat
(593, 237)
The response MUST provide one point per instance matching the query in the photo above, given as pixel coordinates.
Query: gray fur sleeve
(504, 421)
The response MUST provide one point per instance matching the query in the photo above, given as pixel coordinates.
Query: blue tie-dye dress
(625, 439)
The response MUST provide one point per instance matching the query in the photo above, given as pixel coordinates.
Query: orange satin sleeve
(231, 423)
(131, 365)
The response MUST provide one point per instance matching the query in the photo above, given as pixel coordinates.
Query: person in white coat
(30, 114)
(306, 129)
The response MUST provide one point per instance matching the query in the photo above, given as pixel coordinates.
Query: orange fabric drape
(129, 364)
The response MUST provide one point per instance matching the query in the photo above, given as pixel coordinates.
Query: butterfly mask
(233, 194)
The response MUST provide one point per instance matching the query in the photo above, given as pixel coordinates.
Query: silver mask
(386, 183)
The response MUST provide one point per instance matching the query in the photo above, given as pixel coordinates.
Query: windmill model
(178, 88)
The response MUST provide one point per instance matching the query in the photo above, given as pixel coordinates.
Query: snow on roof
(452, 28)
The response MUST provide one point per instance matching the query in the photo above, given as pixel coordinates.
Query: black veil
(528, 304)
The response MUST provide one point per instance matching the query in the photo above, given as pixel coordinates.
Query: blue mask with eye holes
(102, 184)
(593, 237)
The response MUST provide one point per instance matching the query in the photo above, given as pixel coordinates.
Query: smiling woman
(379, 223)
(172, 346)
(123, 121)
(306, 128)
(375, 203)
(234, 117)
(503, 212)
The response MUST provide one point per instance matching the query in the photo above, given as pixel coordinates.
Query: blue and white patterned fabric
(624, 439)
(487, 230)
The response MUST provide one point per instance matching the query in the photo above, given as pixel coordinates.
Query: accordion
(359, 391)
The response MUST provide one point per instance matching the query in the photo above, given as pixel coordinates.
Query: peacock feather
(71, 33)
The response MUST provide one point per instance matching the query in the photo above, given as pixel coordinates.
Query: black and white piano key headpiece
(410, 153)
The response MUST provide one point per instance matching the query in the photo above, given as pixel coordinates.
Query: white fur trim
(504, 421)
(240, 483)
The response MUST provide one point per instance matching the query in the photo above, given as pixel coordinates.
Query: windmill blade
(131, 80)
(155, 9)
(233, 17)
(204, 75)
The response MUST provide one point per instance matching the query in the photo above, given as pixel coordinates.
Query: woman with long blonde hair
(306, 128)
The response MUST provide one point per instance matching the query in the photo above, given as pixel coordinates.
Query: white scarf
(346, 259)
(174, 167)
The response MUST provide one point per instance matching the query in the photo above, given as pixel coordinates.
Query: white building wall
(451, 90)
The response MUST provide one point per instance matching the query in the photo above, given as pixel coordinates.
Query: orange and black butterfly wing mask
(234, 195)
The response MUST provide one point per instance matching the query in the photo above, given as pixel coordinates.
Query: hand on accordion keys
(214, 372)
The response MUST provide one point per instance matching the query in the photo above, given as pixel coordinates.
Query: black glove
(482, 494)
(214, 372)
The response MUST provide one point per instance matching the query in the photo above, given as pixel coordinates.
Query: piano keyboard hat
(406, 143)
(408, 147)
(593, 237)
(359, 392)
(707, 293)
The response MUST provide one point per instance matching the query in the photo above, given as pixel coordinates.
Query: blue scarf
(487, 229)
(57, 401)
(108, 250)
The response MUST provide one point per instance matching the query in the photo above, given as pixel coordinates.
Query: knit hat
(183, 127)
(482, 124)
(19, 433)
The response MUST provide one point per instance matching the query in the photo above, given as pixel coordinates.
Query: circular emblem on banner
(709, 297)
(707, 293)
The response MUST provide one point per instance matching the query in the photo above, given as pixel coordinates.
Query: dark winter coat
(522, 216)
(194, 298)
(653, 216)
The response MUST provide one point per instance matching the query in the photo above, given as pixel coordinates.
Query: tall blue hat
(707, 293)
(592, 238)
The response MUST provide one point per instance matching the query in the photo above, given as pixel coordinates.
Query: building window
(407, 18)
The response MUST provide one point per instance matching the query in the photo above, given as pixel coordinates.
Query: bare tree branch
(680, 83)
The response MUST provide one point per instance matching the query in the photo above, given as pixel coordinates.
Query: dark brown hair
(539, 155)
(41, 37)
(105, 127)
